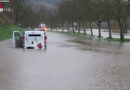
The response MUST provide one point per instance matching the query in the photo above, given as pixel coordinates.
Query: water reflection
(45, 47)
(28, 49)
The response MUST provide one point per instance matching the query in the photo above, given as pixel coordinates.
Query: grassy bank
(82, 34)
(117, 40)
(6, 31)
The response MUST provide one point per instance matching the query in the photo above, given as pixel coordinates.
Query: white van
(33, 39)
(29, 40)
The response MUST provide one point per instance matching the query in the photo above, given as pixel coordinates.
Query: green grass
(7, 31)
(88, 35)
(118, 39)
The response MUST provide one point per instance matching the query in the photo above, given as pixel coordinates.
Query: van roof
(33, 32)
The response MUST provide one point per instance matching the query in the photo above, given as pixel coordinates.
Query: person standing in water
(45, 38)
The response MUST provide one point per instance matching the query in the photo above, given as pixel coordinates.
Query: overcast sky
(46, 3)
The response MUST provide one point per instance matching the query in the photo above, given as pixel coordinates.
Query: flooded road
(68, 63)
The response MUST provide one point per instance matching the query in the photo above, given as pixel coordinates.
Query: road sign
(75, 24)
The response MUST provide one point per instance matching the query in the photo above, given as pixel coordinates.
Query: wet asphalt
(68, 63)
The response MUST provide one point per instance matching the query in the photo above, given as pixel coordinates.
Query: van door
(17, 39)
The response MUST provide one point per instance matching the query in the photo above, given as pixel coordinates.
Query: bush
(7, 31)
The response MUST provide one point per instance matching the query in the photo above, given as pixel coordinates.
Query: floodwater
(68, 63)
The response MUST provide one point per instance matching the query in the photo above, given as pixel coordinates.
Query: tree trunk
(68, 27)
(121, 31)
(51, 28)
(99, 29)
(79, 27)
(62, 27)
(90, 25)
(120, 20)
(109, 27)
(125, 26)
(73, 28)
(84, 29)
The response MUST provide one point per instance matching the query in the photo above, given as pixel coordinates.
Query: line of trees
(87, 12)
(84, 12)
(22, 13)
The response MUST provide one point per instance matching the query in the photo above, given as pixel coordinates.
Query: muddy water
(68, 63)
